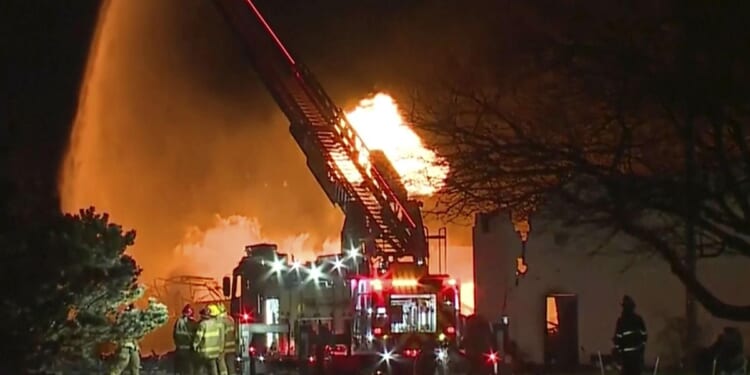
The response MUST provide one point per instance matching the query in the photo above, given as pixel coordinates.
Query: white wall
(557, 264)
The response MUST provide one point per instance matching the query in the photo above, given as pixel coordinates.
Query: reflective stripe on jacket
(630, 333)
(183, 333)
(209, 339)
(229, 333)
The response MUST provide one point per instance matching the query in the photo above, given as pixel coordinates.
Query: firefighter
(128, 355)
(303, 346)
(184, 331)
(322, 340)
(630, 338)
(226, 361)
(208, 342)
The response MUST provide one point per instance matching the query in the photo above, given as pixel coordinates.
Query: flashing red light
(245, 316)
(311, 359)
(493, 357)
(450, 330)
(411, 352)
(377, 331)
(252, 350)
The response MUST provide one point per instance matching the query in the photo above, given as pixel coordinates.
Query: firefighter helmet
(187, 310)
(628, 302)
(213, 310)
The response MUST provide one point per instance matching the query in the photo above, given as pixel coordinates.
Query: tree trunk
(691, 316)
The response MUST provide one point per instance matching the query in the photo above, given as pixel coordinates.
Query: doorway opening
(561, 332)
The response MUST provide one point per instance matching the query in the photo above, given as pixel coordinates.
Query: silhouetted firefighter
(306, 337)
(630, 338)
(322, 340)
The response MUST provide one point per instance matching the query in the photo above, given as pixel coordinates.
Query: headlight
(442, 354)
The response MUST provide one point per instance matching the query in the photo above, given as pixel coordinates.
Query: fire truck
(285, 309)
(394, 303)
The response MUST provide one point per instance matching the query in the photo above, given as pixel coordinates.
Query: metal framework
(179, 290)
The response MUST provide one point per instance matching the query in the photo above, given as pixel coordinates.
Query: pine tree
(72, 282)
(136, 323)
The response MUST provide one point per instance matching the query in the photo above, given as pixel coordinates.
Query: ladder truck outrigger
(379, 288)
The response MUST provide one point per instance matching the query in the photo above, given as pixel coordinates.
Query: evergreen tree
(70, 280)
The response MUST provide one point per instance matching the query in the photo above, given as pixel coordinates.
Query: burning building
(563, 310)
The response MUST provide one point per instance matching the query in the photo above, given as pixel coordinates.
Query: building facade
(564, 309)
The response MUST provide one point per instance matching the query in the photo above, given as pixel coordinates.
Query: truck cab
(282, 307)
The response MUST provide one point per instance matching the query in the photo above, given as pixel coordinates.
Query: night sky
(45, 46)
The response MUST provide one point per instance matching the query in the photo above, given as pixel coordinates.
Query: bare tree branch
(597, 121)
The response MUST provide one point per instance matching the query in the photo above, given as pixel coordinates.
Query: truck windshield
(413, 313)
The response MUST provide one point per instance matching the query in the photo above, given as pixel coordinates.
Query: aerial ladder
(380, 219)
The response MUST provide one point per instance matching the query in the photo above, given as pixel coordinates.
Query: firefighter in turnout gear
(227, 360)
(183, 334)
(321, 340)
(630, 338)
(128, 355)
(208, 342)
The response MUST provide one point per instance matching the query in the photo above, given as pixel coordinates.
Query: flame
(379, 123)
(467, 298)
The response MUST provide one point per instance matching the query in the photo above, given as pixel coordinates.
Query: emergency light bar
(404, 282)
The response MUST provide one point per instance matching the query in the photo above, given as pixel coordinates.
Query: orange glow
(467, 298)
(552, 318)
(218, 248)
(404, 282)
(521, 266)
(379, 122)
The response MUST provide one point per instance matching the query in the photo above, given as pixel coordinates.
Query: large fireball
(380, 125)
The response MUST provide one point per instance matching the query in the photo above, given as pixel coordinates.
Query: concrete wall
(559, 261)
